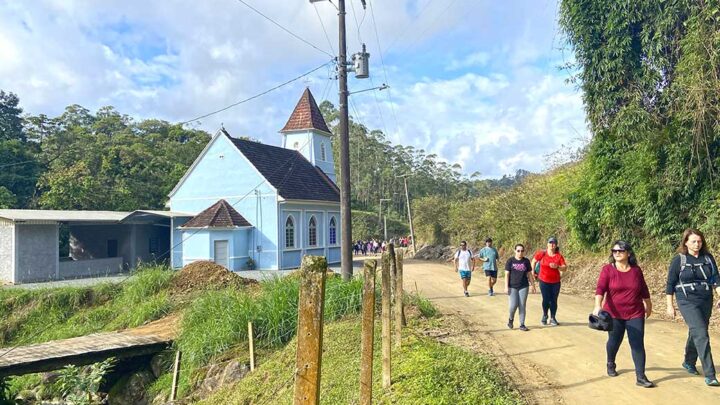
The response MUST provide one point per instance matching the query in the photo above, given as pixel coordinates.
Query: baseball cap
(552, 240)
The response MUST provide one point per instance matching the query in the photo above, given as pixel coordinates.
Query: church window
(322, 151)
(296, 145)
(333, 231)
(312, 232)
(290, 233)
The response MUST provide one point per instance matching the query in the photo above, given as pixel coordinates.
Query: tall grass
(32, 316)
(217, 321)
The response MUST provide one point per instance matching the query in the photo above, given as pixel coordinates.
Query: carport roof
(76, 216)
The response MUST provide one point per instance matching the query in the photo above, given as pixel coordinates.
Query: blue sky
(474, 81)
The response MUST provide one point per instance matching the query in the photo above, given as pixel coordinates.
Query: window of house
(112, 248)
(312, 232)
(333, 231)
(290, 233)
(322, 151)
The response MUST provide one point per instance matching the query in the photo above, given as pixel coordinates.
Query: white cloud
(470, 81)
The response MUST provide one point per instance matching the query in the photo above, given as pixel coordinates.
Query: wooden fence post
(386, 323)
(393, 270)
(252, 346)
(176, 376)
(399, 292)
(368, 332)
(310, 330)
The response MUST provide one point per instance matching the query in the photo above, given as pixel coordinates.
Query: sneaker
(712, 382)
(523, 328)
(611, 371)
(690, 368)
(642, 381)
(554, 322)
(467, 294)
(543, 320)
(490, 293)
(510, 323)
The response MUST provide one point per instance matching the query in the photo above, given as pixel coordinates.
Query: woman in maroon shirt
(627, 299)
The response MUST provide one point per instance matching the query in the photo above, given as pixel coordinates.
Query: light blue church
(260, 205)
(241, 204)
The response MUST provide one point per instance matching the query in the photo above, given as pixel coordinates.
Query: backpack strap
(683, 263)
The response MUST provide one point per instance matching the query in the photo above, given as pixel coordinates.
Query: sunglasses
(618, 250)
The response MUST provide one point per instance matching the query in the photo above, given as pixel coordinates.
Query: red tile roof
(306, 115)
(219, 215)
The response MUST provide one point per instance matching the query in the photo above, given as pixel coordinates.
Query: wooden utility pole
(345, 213)
(251, 346)
(368, 332)
(310, 330)
(399, 292)
(407, 198)
(386, 322)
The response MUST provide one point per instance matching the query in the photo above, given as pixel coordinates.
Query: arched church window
(290, 232)
(296, 145)
(312, 232)
(333, 231)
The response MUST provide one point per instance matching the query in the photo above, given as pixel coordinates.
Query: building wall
(7, 252)
(200, 245)
(176, 241)
(37, 252)
(91, 242)
(301, 213)
(142, 236)
(224, 173)
(309, 145)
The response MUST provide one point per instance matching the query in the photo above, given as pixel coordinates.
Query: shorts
(466, 274)
(491, 273)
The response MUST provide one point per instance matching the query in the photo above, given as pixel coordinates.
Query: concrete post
(368, 332)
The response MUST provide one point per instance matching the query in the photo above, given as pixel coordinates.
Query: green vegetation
(32, 316)
(526, 212)
(649, 72)
(425, 372)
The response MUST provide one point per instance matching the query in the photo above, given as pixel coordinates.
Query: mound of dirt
(204, 275)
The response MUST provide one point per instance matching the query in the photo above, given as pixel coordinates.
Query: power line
(259, 94)
(382, 63)
(283, 28)
(323, 28)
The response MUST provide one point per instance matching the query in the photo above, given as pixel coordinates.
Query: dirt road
(563, 364)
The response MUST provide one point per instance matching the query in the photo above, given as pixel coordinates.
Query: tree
(10, 120)
(18, 165)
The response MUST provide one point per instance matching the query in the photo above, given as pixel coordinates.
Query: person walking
(552, 263)
(518, 279)
(489, 256)
(692, 276)
(465, 264)
(621, 286)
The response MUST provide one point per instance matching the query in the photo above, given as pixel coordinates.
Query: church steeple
(307, 132)
(306, 116)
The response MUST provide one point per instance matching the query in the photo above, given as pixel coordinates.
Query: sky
(476, 82)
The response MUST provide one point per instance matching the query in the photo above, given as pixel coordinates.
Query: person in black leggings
(621, 285)
(692, 277)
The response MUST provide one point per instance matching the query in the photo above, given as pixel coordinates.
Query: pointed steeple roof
(306, 115)
(219, 215)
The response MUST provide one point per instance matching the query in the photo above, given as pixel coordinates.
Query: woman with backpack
(692, 276)
(550, 263)
(622, 287)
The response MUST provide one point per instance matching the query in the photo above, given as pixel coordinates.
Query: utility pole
(407, 198)
(346, 268)
(380, 218)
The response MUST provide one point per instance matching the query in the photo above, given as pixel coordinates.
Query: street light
(380, 217)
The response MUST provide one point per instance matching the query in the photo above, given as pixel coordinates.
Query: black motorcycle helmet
(603, 321)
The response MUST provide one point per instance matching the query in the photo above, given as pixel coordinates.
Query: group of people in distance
(621, 296)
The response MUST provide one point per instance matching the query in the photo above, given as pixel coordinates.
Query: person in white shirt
(465, 265)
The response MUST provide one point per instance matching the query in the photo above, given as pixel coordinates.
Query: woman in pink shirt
(622, 288)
